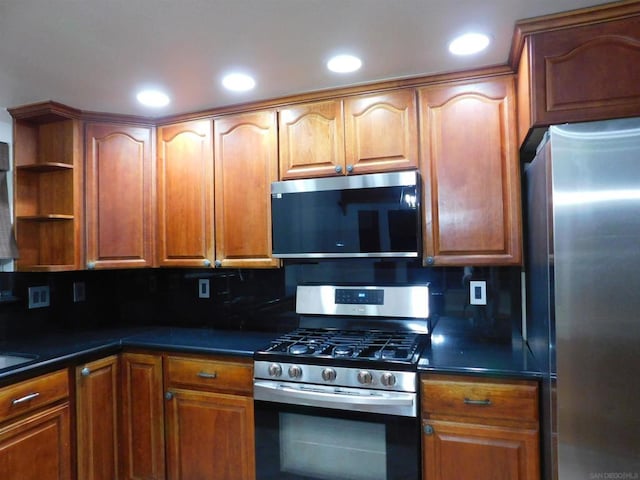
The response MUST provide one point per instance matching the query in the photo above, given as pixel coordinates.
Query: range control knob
(295, 371)
(388, 379)
(364, 377)
(328, 374)
(275, 370)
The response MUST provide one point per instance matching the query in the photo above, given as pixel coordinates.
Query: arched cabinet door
(470, 170)
(119, 196)
(245, 164)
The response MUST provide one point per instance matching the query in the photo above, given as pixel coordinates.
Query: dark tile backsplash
(242, 299)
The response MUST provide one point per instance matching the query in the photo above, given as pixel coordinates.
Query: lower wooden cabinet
(35, 429)
(479, 428)
(97, 419)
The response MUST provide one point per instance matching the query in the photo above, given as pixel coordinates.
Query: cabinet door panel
(458, 450)
(245, 165)
(311, 140)
(381, 132)
(97, 419)
(119, 196)
(185, 194)
(142, 434)
(210, 435)
(37, 447)
(471, 173)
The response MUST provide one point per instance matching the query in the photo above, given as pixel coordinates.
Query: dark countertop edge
(483, 372)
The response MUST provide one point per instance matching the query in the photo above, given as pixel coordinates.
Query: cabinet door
(311, 140)
(142, 418)
(381, 132)
(97, 419)
(470, 169)
(210, 435)
(37, 447)
(245, 165)
(185, 195)
(119, 198)
(454, 451)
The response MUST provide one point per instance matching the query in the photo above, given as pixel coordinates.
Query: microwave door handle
(394, 399)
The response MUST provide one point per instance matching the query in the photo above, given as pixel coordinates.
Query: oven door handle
(281, 392)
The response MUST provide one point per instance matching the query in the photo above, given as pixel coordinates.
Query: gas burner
(343, 351)
(300, 349)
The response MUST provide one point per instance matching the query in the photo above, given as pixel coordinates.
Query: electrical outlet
(203, 288)
(79, 292)
(478, 292)
(38, 297)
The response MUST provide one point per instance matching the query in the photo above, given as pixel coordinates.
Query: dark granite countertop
(455, 348)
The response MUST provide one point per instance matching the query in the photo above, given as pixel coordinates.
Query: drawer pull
(26, 398)
(469, 401)
(207, 375)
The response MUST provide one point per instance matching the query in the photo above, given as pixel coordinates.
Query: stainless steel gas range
(337, 397)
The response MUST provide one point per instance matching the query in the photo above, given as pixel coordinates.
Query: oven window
(332, 448)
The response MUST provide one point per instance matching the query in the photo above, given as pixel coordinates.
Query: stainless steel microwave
(374, 215)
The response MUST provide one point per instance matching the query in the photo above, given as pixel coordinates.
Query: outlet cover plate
(38, 297)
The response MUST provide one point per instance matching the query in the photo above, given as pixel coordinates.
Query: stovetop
(337, 346)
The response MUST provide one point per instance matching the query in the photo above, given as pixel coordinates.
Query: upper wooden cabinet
(470, 170)
(578, 67)
(48, 186)
(381, 132)
(246, 162)
(360, 134)
(185, 233)
(119, 196)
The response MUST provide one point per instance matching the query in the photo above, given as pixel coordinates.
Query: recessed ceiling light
(238, 82)
(153, 98)
(344, 64)
(469, 43)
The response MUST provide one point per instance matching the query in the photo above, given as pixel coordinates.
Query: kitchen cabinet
(475, 427)
(209, 418)
(578, 67)
(142, 446)
(185, 233)
(470, 172)
(245, 164)
(366, 133)
(119, 196)
(97, 419)
(48, 183)
(35, 440)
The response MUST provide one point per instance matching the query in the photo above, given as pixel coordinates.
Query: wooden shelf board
(44, 167)
(44, 218)
(46, 268)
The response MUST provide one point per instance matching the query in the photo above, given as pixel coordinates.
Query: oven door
(295, 442)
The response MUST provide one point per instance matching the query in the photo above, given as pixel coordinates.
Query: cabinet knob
(430, 260)
(85, 372)
(428, 430)
(91, 265)
(349, 168)
(206, 262)
(218, 263)
(169, 396)
(338, 169)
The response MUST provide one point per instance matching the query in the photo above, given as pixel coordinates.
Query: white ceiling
(96, 54)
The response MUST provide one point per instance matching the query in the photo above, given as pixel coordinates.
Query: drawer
(32, 394)
(444, 395)
(210, 374)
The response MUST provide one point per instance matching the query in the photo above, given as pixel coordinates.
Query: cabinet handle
(428, 430)
(91, 265)
(338, 169)
(207, 375)
(85, 372)
(218, 263)
(207, 262)
(26, 398)
(349, 168)
(169, 396)
(469, 401)
(431, 260)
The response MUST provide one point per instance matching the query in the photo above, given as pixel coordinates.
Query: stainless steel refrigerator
(583, 297)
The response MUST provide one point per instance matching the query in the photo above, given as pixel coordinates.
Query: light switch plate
(203, 288)
(38, 297)
(478, 292)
